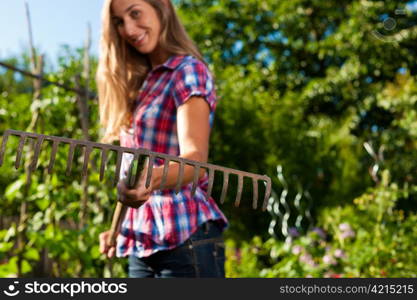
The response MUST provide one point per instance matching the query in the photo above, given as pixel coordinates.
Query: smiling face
(137, 23)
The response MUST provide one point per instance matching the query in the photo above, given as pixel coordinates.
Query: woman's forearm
(173, 171)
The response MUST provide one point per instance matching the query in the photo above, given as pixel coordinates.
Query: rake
(140, 157)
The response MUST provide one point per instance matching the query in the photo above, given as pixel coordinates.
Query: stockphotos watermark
(72, 289)
(389, 32)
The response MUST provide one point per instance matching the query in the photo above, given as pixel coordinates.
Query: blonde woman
(153, 82)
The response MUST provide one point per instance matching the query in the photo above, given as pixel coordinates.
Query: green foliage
(55, 243)
(368, 239)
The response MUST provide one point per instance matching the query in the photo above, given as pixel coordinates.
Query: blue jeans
(202, 255)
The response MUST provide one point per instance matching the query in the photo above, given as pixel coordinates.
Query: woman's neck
(158, 57)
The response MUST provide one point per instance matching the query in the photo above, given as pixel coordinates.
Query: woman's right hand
(109, 251)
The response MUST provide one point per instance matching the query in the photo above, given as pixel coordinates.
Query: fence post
(37, 68)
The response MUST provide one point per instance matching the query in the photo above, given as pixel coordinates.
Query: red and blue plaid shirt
(167, 219)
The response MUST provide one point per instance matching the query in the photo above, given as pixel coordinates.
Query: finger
(101, 236)
(136, 205)
(128, 202)
(121, 187)
(130, 193)
(133, 202)
(102, 242)
(137, 196)
(103, 249)
(111, 252)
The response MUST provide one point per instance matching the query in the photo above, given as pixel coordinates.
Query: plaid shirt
(167, 220)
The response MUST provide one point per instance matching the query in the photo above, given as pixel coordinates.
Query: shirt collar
(173, 61)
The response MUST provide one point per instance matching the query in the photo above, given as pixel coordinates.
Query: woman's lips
(139, 40)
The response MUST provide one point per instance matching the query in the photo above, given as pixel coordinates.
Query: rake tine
(210, 183)
(87, 153)
(3, 146)
(225, 185)
(195, 179)
(30, 169)
(180, 176)
(255, 193)
(239, 190)
(149, 171)
(164, 174)
(70, 157)
(53, 155)
(20, 151)
(118, 166)
(130, 179)
(29, 177)
(38, 147)
(139, 169)
(103, 163)
(267, 192)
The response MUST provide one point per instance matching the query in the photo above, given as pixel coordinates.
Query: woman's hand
(137, 196)
(109, 251)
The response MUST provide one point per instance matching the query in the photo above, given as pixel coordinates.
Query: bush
(371, 238)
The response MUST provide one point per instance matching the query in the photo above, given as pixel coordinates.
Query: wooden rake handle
(116, 223)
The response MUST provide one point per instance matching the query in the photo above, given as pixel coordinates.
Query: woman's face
(137, 23)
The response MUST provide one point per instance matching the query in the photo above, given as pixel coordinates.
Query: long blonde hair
(122, 69)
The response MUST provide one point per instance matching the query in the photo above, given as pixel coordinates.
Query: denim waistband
(208, 232)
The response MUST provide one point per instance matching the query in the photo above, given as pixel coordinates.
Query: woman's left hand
(134, 197)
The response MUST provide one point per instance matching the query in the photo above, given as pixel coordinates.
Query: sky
(54, 23)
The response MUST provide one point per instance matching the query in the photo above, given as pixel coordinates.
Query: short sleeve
(193, 78)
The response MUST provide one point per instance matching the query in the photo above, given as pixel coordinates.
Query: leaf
(49, 232)
(14, 189)
(11, 232)
(42, 203)
(26, 267)
(38, 220)
(9, 269)
(95, 252)
(32, 254)
(6, 246)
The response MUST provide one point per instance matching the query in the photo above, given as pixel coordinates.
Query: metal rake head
(138, 154)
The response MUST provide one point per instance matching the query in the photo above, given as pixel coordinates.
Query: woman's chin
(144, 50)
(145, 47)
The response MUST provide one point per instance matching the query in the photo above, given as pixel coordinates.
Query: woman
(152, 82)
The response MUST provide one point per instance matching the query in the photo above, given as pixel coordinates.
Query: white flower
(339, 253)
(328, 259)
(344, 227)
(297, 250)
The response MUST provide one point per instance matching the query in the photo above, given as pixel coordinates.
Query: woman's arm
(193, 137)
(193, 130)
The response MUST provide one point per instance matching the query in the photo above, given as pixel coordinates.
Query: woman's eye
(135, 13)
(117, 22)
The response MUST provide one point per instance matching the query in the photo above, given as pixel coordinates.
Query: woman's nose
(130, 29)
